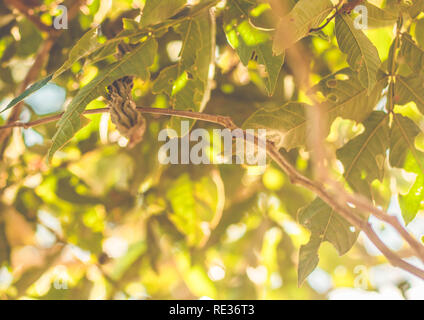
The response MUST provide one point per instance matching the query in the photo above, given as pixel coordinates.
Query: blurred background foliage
(106, 222)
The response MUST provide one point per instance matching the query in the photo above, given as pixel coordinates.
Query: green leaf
(287, 125)
(363, 157)
(156, 11)
(325, 225)
(378, 18)
(296, 25)
(198, 49)
(192, 202)
(189, 82)
(85, 46)
(362, 55)
(347, 98)
(402, 140)
(109, 48)
(410, 89)
(33, 88)
(403, 154)
(411, 203)
(412, 54)
(134, 63)
(308, 258)
(419, 32)
(249, 41)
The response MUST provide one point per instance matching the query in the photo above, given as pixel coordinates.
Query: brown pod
(129, 122)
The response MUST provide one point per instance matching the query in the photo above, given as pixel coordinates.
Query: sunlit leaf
(363, 157)
(347, 98)
(189, 82)
(287, 125)
(88, 44)
(249, 41)
(193, 203)
(184, 216)
(362, 55)
(411, 203)
(325, 225)
(305, 16)
(419, 32)
(378, 18)
(402, 139)
(33, 88)
(413, 55)
(156, 11)
(410, 89)
(403, 154)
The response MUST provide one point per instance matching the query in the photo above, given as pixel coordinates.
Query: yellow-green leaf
(325, 225)
(250, 41)
(156, 11)
(188, 83)
(287, 125)
(378, 18)
(410, 89)
(85, 46)
(363, 157)
(403, 154)
(305, 16)
(362, 55)
(412, 54)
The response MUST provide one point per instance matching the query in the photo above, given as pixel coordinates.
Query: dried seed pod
(129, 122)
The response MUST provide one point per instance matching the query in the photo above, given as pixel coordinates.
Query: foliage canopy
(117, 224)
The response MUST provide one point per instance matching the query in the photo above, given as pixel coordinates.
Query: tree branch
(222, 120)
(328, 190)
(339, 204)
